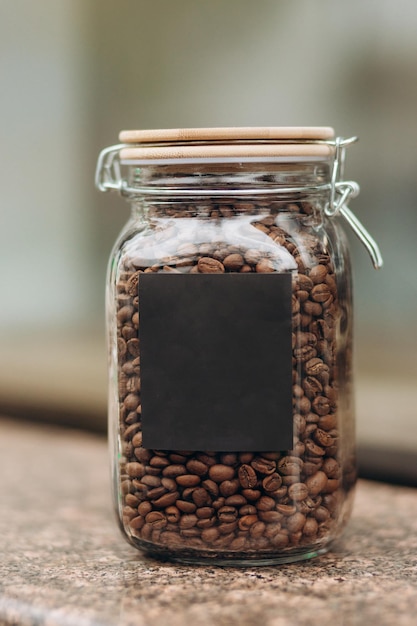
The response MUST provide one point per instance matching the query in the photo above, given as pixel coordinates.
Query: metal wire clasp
(340, 193)
(108, 175)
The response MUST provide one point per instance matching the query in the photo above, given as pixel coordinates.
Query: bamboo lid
(224, 144)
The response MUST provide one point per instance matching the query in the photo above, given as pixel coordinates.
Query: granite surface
(65, 563)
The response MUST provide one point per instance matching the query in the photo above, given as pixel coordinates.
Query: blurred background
(74, 73)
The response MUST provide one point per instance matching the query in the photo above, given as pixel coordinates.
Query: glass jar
(229, 315)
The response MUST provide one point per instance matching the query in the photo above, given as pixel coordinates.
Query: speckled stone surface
(64, 561)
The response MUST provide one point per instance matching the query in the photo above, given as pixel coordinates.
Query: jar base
(187, 557)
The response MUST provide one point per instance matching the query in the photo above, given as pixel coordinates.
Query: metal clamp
(340, 193)
(108, 175)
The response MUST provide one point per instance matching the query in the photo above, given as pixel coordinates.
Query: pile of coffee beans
(239, 503)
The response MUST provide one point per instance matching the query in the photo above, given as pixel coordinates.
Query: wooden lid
(224, 144)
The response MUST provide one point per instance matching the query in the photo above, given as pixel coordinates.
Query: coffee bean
(331, 468)
(295, 522)
(188, 480)
(211, 487)
(156, 519)
(229, 487)
(150, 480)
(310, 527)
(316, 483)
(173, 471)
(209, 535)
(185, 507)
(235, 500)
(290, 465)
(188, 521)
(265, 503)
(247, 521)
(227, 514)
(270, 516)
(264, 266)
(264, 466)
(272, 482)
(155, 493)
(298, 492)
(194, 466)
(233, 262)
(252, 495)
(323, 438)
(208, 265)
(257, 529)
(247, 509)
(247, 476)
(205, 512)
(172, 514)
(219, 473)
(201, 497)
(166, 500)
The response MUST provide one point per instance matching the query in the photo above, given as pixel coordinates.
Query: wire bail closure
(340, 193)
(108, 177)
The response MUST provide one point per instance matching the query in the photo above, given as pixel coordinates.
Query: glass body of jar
(237, 506)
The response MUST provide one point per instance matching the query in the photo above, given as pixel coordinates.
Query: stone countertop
(65, 563)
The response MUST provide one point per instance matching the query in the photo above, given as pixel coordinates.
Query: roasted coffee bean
(228, 528)
(323, 438)
(233, 262)
(252, 495)
(331, 468)
(265, 503)
(137, 523)
(227, 514)
(298, 492)
(209, 535)
(155, 493)
(310, 527)
(211, 487)
(135, 470)
(185, 507)
(188, 521)
(201, 497)
(168, 499)
(290, 465)
(316, 483)
(272, 482)
(229, 487)
(173, 471)
(247, 521)
(150, 480)
(247, 476)
(156, 519)
(172, 514)
(295, 522)
(188, 480)
(220, 473)
(263, 466)
(270, 516)
(208, 265)
(235, 500)
(194, 466)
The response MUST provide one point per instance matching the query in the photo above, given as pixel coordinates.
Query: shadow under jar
(229, 313)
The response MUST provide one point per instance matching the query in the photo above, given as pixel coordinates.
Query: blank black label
(216, 361)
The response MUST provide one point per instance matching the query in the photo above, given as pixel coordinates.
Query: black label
(216, 361)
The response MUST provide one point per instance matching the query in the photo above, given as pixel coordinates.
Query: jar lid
(227, 144)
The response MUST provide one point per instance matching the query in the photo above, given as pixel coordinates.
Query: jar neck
(248, 187)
